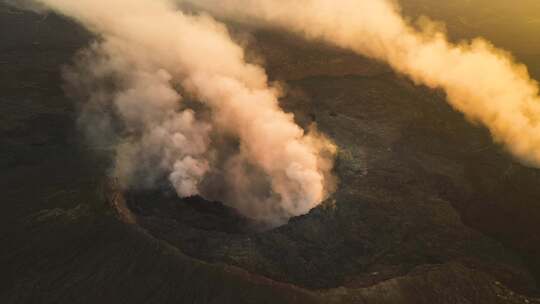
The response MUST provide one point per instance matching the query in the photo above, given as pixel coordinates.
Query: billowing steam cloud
(142, 80)
(481, 81)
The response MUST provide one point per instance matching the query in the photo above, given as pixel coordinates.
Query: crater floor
(415, 179)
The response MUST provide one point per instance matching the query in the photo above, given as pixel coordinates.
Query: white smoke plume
(483, 82)
(143, 76)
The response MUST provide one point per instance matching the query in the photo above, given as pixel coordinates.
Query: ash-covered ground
(428, 209)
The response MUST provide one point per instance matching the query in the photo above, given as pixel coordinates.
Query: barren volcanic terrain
(428, 209)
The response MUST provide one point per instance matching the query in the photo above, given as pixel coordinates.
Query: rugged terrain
(428, 209)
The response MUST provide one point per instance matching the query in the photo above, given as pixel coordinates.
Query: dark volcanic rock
(394, 211)
(429, 210)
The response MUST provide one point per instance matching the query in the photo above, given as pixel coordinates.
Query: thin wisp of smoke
(481, 81)
(149, 60)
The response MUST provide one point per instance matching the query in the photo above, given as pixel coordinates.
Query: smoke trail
(483, 82)
(149, 55)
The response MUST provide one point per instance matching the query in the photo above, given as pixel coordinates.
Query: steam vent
(265, 151)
